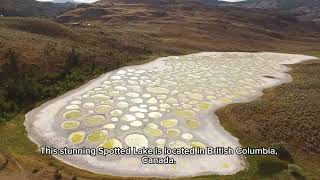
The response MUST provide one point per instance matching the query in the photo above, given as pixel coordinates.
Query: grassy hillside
(182, 29)
(305, 10)
(285, 116)
(41, 59)
(32, 8)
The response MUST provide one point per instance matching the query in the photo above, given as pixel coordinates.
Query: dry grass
(27, 8)
(184, 29)
(43, 45)
(287, 114)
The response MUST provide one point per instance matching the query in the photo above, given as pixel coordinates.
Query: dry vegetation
(41, 59)
(32, 8)
(287, 115)
(183, 28)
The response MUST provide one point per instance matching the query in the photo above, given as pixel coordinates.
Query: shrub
(269, 167)
(283, 153)
(57, 176)
(72, 60)
(296, 171)
(12, 61)
(34, 171)
(23, 90)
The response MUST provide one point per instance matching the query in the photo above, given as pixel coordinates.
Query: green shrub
(23, 90)
(270, 167)
(296, 171)
(72, 60)
(12, 62)
(283, 153)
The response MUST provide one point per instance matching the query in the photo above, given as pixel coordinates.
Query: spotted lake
(169, 102)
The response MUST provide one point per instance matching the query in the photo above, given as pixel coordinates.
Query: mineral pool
(169, 102)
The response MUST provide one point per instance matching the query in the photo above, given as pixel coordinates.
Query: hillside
(32, 8)
(306, 10)
(196, 26)
(280, 4)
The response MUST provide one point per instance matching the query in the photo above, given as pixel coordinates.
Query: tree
(72, 60)
(12, 61)
(48, 52)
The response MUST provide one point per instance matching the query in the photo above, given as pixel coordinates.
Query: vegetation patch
(284, 118)
(271, 167)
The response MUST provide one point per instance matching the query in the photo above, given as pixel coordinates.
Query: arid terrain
(286, 115)
(305, 10)
(27, 8)
(42, 58)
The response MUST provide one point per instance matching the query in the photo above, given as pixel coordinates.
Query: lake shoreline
(282, 75)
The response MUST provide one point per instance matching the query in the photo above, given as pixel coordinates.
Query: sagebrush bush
(296, 171)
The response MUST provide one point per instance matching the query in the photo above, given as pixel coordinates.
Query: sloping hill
(306, 10)
(194, 26)
(32, 8)
(280, 4)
